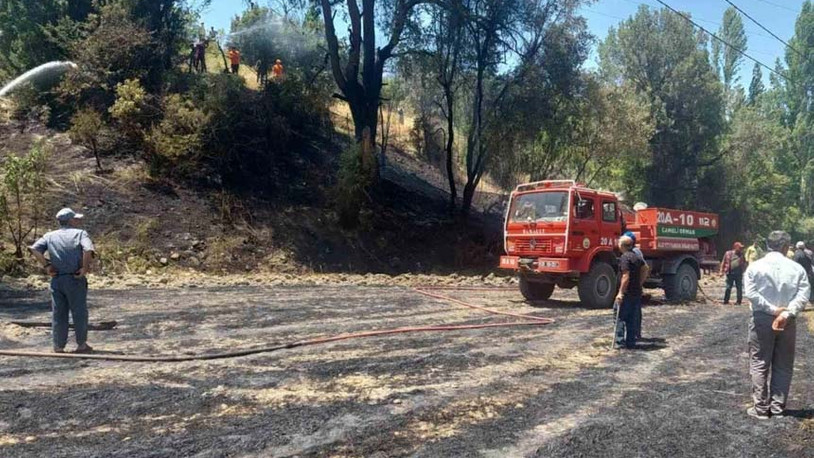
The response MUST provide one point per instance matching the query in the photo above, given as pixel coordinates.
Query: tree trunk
(453, 195)
(96, 154)
(469, 195)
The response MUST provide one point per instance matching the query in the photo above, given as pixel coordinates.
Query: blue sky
(777, 15)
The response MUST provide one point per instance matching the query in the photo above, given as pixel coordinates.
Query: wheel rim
(603, 286)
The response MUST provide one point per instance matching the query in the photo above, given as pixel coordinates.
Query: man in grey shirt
(70, 252)
(778, 290)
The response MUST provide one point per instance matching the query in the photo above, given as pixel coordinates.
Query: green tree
(660, 55)
(727, 60)
(86, 126)
(756, 87)
(24, 41)
(756, 188)
(797, 104)
(21, 191)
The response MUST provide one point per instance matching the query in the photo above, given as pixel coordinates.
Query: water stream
(40, 77)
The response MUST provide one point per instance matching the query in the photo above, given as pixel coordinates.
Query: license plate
(553, 264)
(506, 261)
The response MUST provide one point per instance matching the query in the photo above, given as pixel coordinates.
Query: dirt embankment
(144, 226)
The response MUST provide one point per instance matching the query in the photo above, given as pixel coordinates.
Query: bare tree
(360, 81)
(500, 32)
(448, 24)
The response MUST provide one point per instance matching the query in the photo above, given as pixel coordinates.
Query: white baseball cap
(66, 214)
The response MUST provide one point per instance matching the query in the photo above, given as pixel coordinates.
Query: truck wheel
(683, 286)
(535, 291)
(597, 288)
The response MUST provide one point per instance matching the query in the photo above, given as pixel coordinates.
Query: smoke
(40, 77)
(275, 37)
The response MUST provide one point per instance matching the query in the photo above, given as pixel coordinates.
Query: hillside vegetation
(381, 146)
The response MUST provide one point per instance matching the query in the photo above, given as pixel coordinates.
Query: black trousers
(736, 280)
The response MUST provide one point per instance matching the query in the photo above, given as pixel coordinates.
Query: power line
(779, 6)
(740, 51)
(749, 33)
(764, 28)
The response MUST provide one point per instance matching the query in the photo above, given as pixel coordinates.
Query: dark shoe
(752, 412)
(780, 414)
(59, 350)
(84, 349)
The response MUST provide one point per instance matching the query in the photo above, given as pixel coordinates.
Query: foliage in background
(663, 58)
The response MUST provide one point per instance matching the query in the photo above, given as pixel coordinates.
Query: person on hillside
(638, 252)
(778, 290)
(70, 252)
(277, 70)
(234, 59)
(733, 266)
(200, 57)
(262, 68)
(630, 294)
(191, 57)
(800, 257)
(754, 252)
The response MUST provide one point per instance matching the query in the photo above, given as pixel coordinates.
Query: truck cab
(561, 233)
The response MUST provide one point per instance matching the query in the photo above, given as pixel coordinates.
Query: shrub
(111, 46)
(21, 195)
(86, 126)
(177, 141)
(131, 111)
(356, 175)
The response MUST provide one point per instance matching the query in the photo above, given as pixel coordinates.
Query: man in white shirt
(778, 291)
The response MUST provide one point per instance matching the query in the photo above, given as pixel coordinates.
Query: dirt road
(543, 391)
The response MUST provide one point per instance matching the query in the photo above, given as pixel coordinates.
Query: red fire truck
(565, 234)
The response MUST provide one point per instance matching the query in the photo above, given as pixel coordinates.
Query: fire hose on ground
(528, 320)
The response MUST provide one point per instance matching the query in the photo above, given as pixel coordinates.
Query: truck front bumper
(543, 265)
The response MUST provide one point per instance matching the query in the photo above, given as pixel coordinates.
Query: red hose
(530, 321)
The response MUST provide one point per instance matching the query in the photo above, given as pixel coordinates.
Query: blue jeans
(69, 294)
(627, 326)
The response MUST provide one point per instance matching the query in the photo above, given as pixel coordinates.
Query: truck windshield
(540, 207)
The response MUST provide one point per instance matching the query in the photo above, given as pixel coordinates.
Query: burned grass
(552, 390)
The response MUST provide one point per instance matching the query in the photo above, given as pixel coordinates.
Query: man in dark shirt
(733, 266)
(800, 257)
(634, 272)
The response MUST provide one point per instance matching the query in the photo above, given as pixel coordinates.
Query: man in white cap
(70, 252)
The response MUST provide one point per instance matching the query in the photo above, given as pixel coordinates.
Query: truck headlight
(510, 246)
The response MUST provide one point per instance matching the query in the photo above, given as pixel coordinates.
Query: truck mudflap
(549, 265)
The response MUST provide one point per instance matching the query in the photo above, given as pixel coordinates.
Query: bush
(131, 112)
(21, 195)
(111, 47)
(250, 135)
(86, 126)
(356, 175)
(176, 142)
